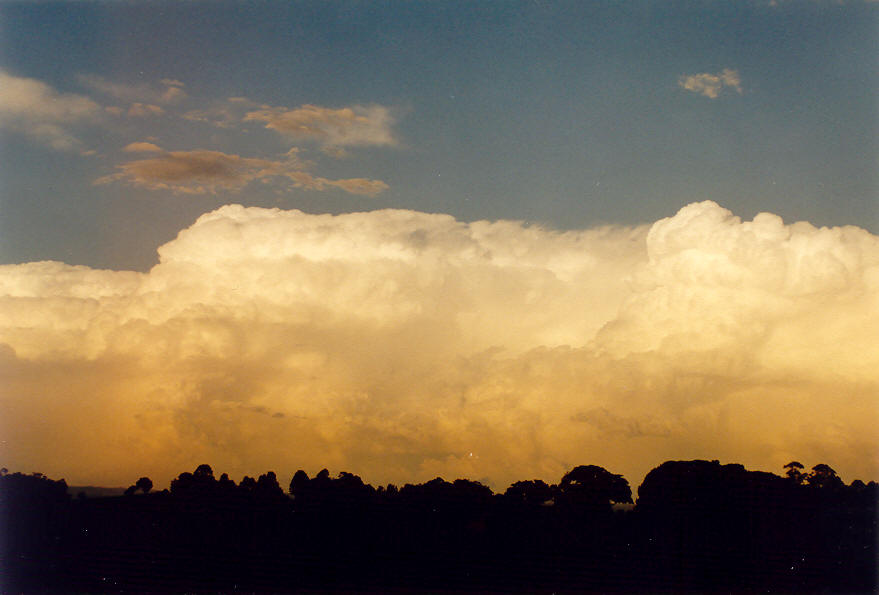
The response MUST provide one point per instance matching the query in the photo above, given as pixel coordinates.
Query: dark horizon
(112, 490)
(695, 526)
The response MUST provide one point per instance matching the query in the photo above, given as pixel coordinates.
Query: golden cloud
(402, 345)
(349, 126)
(143, 110)
(143, 147)
(202, 171)
(710, 85)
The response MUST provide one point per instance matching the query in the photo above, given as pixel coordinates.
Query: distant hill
(95, 491)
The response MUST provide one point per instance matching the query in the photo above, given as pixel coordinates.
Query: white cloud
(711, 85)
(33, 108)
(395, 343)
(355, 126)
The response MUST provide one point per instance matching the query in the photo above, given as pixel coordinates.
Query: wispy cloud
(224, 114)
(711, 85)
(144, 100)
(142, 110)
(356, 126)
(34, 109)
(203, 171)
(165, 91)
(217, 116)
(613, 425)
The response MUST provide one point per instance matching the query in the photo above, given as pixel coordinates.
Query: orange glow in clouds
(401, 345)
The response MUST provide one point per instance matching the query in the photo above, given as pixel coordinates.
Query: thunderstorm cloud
(402, 345)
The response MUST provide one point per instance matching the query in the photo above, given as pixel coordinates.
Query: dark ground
(698, 526)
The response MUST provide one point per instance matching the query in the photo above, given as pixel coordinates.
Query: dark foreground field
(697, 526)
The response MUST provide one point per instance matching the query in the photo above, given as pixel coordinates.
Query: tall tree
(795, 471)
(823, 476)
(144, 484)
(594, 487)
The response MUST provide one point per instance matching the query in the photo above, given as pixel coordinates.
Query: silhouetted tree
(351, 483)
(248, 484)
(32, 517)
(267, 486)
(823, 476)
(699, 526)
(320, 486)
(299, 483)
(471, 491)
(688, 487)
(795, 471)
(594, 487)
(535, 491)
(144, 484)
(204, 472)
(200, 482)
(348, 490)
(182, 483)
(225, 483)
(389, 491)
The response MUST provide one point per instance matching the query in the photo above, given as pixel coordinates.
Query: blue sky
(567, 114)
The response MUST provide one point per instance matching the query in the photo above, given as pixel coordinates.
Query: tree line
(695, 526)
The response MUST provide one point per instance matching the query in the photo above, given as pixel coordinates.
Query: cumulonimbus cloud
(403, 345)
(203, 171)
(37, 110)
(355, 126)
(711, 85)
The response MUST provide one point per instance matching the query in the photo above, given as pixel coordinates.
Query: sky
(411, 239)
